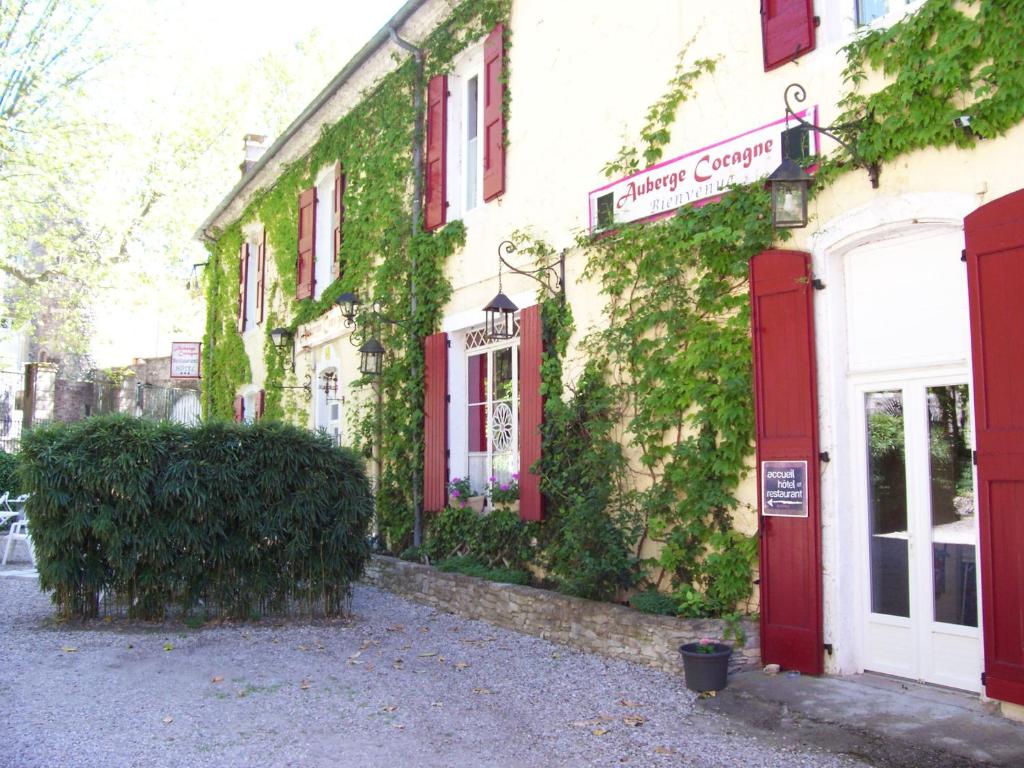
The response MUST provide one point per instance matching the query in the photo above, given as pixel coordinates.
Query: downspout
(417, 193)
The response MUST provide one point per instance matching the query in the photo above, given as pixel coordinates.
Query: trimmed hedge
(221, 519)
(8, 474)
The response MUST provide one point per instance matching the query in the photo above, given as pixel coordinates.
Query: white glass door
(920, 532)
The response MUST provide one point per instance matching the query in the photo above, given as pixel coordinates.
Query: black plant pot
(705, 671)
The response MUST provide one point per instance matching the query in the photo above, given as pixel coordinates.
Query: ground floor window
(493, 414)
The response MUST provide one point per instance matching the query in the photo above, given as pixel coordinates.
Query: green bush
(471, 567)
(8, 479)
(499, 538)
(238, 520)
(653, 601)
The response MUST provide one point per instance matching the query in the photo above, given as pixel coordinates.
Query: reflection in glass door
(922, 613)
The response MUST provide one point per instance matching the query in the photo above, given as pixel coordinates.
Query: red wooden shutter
(494, 114)
(305, 264)
(239, 409)
(243, 282)
(339, 216)
(786, 406)
(435, 422)
(261, 271)
(995, 280)
(787, 30)
(531, 412)
(261, 403)
(435, 206)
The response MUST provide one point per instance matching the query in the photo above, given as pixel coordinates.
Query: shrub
(653, 601)
(222, 518)
(496, 539)
(8, 479)
(450, 533)
(411, 554)
(471, 567)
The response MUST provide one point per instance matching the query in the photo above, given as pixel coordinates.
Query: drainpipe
(417, 193)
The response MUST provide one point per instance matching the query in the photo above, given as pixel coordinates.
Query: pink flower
(455, 492)
(492, 479)
(706, 641)
(504, 486)
(515, 475)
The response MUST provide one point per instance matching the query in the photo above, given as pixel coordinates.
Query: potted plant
(460, 495)
(504, 495)
(705, 664)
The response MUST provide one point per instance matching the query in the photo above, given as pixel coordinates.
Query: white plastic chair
(19, 528)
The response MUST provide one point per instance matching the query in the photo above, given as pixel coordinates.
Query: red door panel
(436, 168)
(435, 422)
(995, 278)
(786, 407)
(531, 412)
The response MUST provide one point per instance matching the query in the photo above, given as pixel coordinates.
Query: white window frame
(323, 265)
(489, 403)
(323, 404)
(252, 260)
(250, 400)
(467, 66)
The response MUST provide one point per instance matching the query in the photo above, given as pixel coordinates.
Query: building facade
(885, 333)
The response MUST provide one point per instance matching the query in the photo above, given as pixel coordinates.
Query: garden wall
(605, 628)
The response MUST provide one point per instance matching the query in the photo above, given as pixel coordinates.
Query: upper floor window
(869, 11)
(324, 250)
(465, 160)
(465, 143)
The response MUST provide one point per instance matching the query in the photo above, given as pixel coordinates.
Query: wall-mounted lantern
(500, 312)
(371, 358)
(790, 184)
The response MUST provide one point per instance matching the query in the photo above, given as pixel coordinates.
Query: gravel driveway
(397, 685)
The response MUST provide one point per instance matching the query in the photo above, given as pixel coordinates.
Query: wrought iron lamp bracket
(835, 132)
(543, 274)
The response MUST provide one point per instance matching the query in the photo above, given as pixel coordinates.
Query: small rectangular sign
(784, 488)
(185, 359)
(700, 175)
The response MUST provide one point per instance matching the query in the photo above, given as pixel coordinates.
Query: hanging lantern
(790, 186)
(280, 337)
(499, 314)
(348, 302)
(371, 358)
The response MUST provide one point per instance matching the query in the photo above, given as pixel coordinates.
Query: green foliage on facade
(949, 58)
(230, 519)
(381, 259)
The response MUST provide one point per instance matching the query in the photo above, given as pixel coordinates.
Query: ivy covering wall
(374, 144)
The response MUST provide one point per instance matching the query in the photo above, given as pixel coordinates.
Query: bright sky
(223, 35)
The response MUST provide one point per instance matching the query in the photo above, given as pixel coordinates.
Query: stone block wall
(604, 628)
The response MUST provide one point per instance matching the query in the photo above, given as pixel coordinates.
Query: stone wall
(605, 628)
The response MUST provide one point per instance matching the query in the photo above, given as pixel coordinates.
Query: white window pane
(869, 10)
(472, 151)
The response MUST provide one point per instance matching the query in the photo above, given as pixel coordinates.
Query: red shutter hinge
(824, 457)
(447, 398)
(817, 21)
(817, 284)
(974, 457)
(963, 255)
(983, 679)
